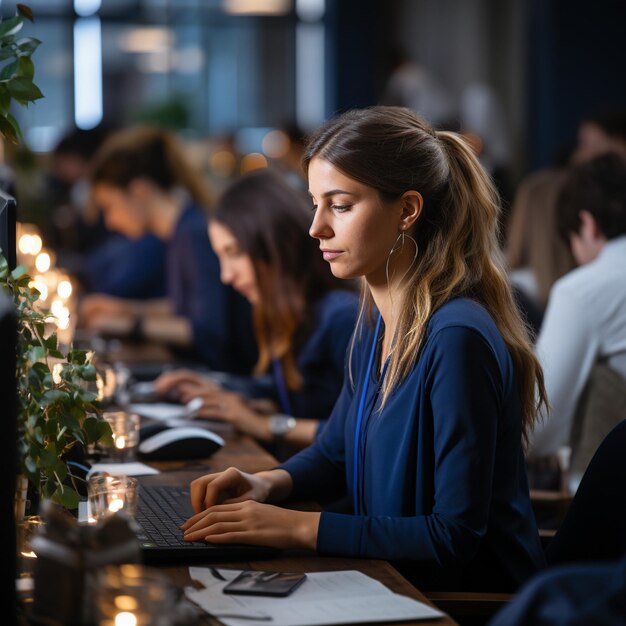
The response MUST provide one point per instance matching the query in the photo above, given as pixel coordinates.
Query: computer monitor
(8, 458)
(8, 216)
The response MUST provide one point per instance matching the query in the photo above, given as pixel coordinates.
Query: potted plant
(57, 411)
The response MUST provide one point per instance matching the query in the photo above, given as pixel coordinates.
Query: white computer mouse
(180, 443)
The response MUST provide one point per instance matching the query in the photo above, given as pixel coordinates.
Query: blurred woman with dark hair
(144, 184)
(303, 315)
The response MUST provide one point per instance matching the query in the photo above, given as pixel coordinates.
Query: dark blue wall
(577, 65)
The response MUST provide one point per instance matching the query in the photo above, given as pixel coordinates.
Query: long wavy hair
(270, 221)
(393, 150)
(533, 239)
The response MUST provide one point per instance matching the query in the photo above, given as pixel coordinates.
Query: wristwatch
(280, 424)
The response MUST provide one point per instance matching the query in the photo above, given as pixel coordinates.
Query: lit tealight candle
(35, 244)
(116, 504)
(24, 245)
(125, 618)
(57, 308)
(42, 262)
(64, 289)
(120, 442)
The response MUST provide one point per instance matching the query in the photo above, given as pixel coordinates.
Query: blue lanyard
(359, 419)
(283, 395)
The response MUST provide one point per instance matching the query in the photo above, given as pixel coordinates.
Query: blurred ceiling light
(256, 7)
(276, 144)
(222, 163)
(85, 8)
(148, 39)
(310, 10)
(252, 161)
(87, 72)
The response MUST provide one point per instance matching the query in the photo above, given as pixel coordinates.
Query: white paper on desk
(161, 411)
(123, 469)
(343, 597)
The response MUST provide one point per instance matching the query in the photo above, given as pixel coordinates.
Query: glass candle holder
(109, 494)
(125, 427)
(134, 595)
(27, 529)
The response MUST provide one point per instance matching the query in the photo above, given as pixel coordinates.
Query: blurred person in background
(144, 184)
(303, 315)
(602, 132)
(535, 252)
(585, 322)
(104, 261)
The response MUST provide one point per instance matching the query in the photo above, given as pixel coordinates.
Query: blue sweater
(221, 318)
(442, 487)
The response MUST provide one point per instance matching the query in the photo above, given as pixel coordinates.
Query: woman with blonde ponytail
(442, 387)
(143, 183)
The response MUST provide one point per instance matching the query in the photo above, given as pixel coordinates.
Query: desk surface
(246, 454)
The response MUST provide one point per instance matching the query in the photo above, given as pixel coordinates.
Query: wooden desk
(246, 454)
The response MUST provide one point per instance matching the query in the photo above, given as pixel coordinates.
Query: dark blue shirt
(221, 319)
(127, 268)
(442, 486)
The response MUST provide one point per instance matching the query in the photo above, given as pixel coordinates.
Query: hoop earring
(398, 246)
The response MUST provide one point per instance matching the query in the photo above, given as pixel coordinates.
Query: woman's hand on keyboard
(251, 522)
(231, 485)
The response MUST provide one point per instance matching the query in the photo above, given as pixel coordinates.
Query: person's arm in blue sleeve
(465, 389)
(319, 470)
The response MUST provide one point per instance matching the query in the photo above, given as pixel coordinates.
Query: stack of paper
(343, 597)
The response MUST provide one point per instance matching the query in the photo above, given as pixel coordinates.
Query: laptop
(160, 512)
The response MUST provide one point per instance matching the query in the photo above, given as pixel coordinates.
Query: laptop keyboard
(160, 512)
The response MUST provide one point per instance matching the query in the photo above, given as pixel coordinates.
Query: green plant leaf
(24, 90)
(11, 26)
(27, 45)
(7, 51)
(54, 395)
(5, 99)
(47, 460)
(7, 130)
(18, 131)
(8, 72)
(86, 396)
(88, 372)
(51, 342)
(77, 356)
(25, 67)
(66, 496)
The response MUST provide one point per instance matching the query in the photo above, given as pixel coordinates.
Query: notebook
(160, 512)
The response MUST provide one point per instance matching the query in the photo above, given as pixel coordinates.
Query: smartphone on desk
(273, 584)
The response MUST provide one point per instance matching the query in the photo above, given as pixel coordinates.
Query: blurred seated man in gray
(582, 344)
